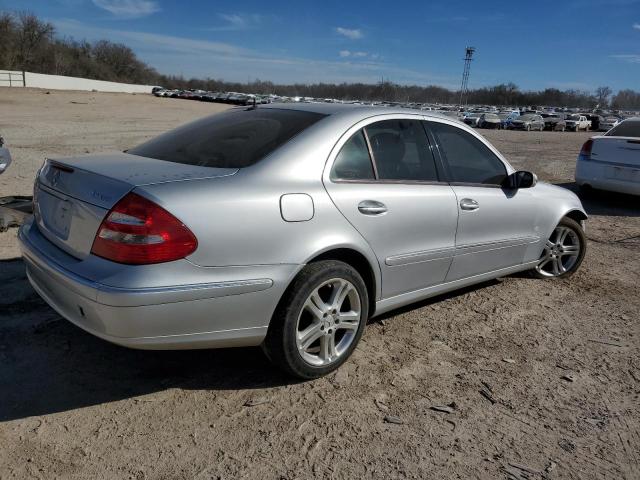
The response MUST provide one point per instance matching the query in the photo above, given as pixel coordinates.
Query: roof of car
(351, 109)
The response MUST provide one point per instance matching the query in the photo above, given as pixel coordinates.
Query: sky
(579, 44)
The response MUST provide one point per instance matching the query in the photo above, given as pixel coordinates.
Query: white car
(577, 122)
(608, 123)
(612, 161)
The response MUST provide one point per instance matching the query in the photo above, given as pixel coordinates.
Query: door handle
(372, 207)
(469, 204)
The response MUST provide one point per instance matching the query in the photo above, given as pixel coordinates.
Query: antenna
(465, 75)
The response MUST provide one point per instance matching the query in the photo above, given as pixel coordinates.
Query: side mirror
(5, 159)
(522, 179)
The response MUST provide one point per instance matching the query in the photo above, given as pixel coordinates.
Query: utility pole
(465, 75)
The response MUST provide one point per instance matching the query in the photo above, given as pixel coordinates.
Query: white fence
(59, 82)
(10, 78)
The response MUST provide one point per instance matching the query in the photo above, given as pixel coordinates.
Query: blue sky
(535, 44)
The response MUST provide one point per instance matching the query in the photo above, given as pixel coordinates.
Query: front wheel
(319, 321)
(563, 252)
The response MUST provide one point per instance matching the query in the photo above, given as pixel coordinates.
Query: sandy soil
(543, 376)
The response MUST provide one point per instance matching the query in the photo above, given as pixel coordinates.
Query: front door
(495, 224)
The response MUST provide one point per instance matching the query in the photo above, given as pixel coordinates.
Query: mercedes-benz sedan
(287, 227)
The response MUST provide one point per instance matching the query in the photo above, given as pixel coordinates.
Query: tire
(558, 259)
(297, 312)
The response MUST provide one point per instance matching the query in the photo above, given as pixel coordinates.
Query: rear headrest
(388, 147)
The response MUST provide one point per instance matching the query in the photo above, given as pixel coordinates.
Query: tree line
(30, 44)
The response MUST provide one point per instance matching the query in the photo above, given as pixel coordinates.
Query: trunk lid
(623, 152)
(73, 195)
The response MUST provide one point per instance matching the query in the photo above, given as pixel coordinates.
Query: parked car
(471, 119)
(5, 156)
(554, 122)
(612, 161)
(489, 120)
(506, 118)
(528, 121)
(577, 122)
(287, 226)
(608, 123)
(14, 209)
(594, 120)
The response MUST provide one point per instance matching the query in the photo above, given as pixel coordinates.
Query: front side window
(353, 161)
(467, 158)
(401, 151)
(234, 139)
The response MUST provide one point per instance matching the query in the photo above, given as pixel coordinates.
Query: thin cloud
(351, 33)
(237, 22)
(128, 8)
(349, 53)
(177, 55)
(636, 26)
(628, 58)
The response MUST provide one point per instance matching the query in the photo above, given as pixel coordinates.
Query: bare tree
(603, 94)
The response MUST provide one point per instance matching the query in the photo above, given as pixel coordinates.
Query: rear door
(495, 225)
(384, 179)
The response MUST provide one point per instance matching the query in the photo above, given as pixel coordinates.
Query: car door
(495, 224)
(384, 180)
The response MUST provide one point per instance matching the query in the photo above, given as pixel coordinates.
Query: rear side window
(353, 162)
(467, 158)
(234, 139)
(628, 128)
(401, 151)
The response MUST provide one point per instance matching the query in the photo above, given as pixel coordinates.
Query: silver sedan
(287, 227)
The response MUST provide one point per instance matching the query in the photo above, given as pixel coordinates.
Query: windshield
(628, 128)
(234, 139)
(573, 117)
(526, 117)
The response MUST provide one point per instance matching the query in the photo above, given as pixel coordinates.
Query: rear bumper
(234, 312)
(604, 176)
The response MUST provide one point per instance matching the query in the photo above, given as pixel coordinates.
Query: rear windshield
(628, 128)
(233, 139)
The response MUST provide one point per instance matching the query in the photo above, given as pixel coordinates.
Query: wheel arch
(577, 215)
(367, 267)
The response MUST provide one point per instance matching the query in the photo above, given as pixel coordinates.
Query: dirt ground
(543, 377)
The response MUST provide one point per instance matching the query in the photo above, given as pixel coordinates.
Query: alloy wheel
(560, 253)
(328, 322)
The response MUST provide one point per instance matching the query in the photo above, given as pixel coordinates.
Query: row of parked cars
(540, 121)
(527, 119)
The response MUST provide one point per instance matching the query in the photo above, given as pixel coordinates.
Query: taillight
(585, 152)
(137, 231)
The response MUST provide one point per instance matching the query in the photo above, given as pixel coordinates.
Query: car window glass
(628, 128)
(236, 138)
(401, 151)
(353, 161)
(468, 159)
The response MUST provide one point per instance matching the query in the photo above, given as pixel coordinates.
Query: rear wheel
(319, 320)
(564, 251)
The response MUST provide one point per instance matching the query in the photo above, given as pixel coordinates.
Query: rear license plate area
(54, 213)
